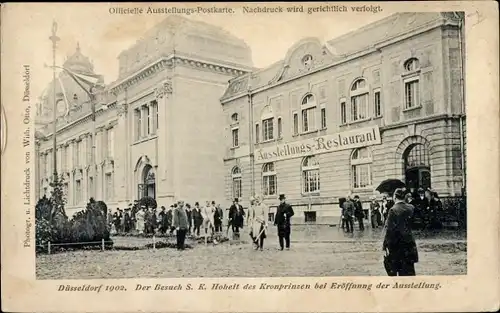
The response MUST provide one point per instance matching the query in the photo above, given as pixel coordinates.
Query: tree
(58, 197)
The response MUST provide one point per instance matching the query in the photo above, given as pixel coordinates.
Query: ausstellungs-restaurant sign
(352, 139)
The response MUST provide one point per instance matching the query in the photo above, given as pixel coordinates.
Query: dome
(69, 96)
(78, 62)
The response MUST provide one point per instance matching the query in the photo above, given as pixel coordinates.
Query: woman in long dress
(257, 220)
(140, 220)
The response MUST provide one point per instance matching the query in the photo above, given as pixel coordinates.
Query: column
(143, 122)
(120, 150)
(99, 159)
(83, 162)
(165, 143)
(70, 165)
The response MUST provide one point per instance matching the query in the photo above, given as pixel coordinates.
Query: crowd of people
(427, 210)
(204, 221)
(151, 221)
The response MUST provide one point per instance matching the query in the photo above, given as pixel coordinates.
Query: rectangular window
(138, 121)
(308, 121)
(280, 128)
(111, 143)
(91, 186)
(267, 129)
(295, 124)
(148, 120)
(78, 146)
(361, 176)
(237, 187)
(359, 107)
(78, 192)
(109, 186)
(323, 118)
(412, 98)
(269, 185)
(311, 180)
(343, 112)
(235, 138)
(89, 149)
(257, 133)
(157, 124)
(377, 109)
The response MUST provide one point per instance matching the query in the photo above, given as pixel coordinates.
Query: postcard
(250, 157)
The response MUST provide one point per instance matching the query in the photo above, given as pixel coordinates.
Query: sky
(102, 36)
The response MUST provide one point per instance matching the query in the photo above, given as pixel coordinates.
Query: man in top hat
(282, 221)
(181, 224)
(236, 217)
(399, 244)
(348, 209)
(358, 212)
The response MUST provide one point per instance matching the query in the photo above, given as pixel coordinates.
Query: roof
(335, 50)
(180, 25)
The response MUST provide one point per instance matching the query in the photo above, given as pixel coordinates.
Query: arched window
(310, 175)
(148, 186)
(361, 160)
(359, 100)
(308, 117)
(411, 83)
(417, 166)
(236, 179)
(412, 65)
(269, 183)
(234, 117)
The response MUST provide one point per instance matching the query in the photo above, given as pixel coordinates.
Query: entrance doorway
(417, 167)
(148, 186)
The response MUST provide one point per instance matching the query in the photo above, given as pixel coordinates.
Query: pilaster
(163, 94)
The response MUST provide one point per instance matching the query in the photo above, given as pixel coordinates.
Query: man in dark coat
(236, 216)
(282, 221)
(190, 217)
(342, 217)
(420, 204)
(218, 216)
(197, 218)
(348, 214)
(399, 244)
(163, 220)
(181, 224)
(127, 220)
(358, 212)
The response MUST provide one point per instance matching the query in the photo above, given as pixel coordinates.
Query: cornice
(140, 75)
(216, 68)
(169, 62)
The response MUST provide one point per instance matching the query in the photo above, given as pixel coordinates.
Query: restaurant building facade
(384, 101)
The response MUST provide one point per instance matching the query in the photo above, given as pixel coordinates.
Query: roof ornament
(78, 46)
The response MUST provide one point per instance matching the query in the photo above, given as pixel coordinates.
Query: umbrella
(389, 185)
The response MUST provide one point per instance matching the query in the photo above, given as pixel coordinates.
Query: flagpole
(54, 40)
(94, 163)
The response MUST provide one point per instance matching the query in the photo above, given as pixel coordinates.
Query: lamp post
(54, 40)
